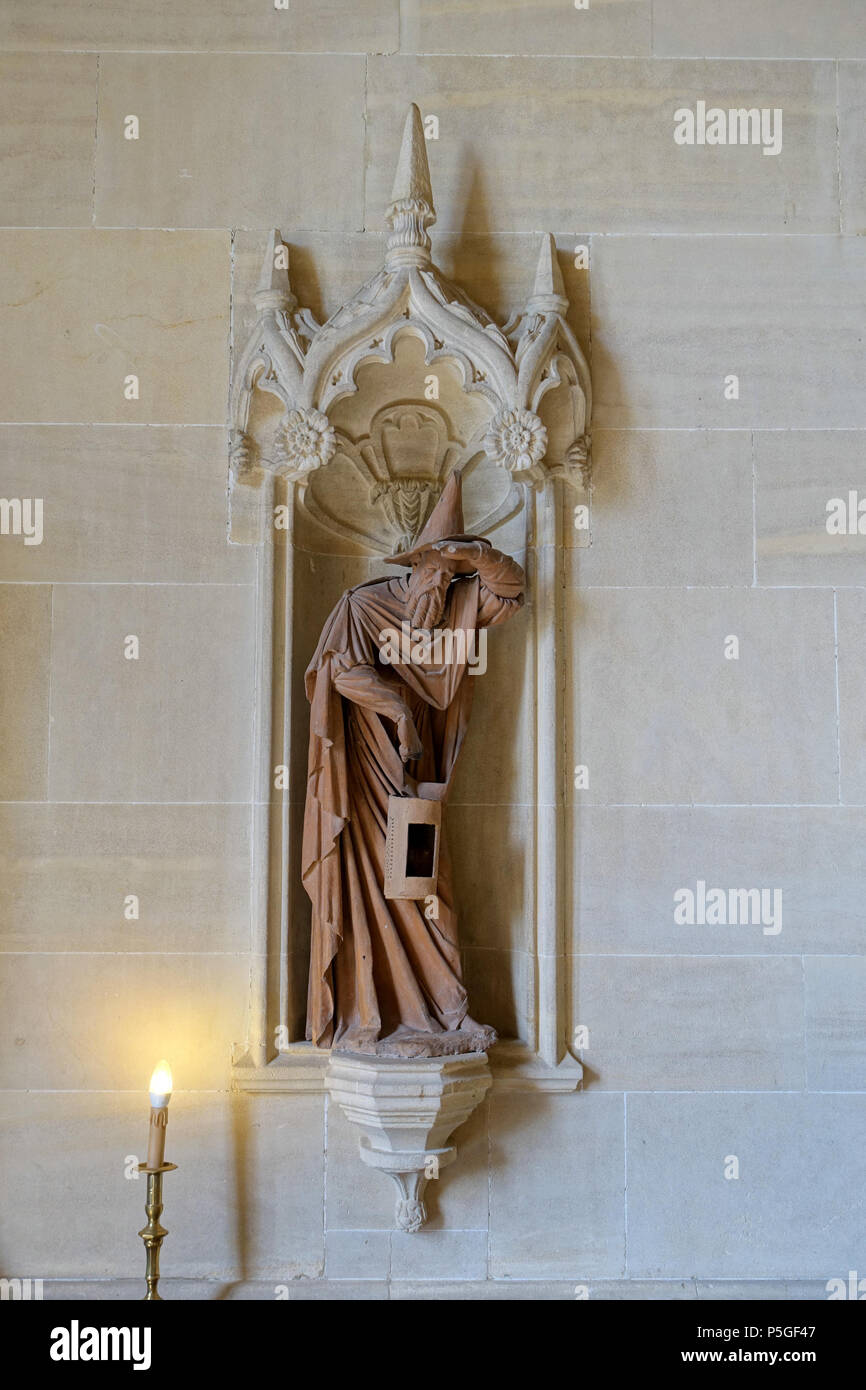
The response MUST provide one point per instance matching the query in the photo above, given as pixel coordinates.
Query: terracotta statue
(385, 974)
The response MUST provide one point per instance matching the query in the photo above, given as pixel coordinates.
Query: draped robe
(380, 968)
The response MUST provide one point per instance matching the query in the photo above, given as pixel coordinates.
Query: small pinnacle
(548, 277)
(412, 179)
(274, 278)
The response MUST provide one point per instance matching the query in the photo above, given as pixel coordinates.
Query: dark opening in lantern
(412, 847)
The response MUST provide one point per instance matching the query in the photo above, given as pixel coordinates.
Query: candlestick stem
(153, 1234)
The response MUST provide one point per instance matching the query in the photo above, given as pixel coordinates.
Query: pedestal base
(407, 1109)
(477, 1037)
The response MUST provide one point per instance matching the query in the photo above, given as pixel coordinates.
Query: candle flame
(160, 1082)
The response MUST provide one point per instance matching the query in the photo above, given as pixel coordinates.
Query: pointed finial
(548, 292)
(412, 177)
(411, 210)
(274, 290)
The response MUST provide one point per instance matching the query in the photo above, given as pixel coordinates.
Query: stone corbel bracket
(310, 367)
(407, 1111)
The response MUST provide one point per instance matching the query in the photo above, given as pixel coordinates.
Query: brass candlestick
(153, 1234)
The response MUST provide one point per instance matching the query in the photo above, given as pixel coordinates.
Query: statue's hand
(460, 550)
(411, 746)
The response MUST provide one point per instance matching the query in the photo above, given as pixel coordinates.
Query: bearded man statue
(385, 972)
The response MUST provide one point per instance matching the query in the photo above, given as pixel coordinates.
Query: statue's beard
(427, 609)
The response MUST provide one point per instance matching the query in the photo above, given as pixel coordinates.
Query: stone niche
(342, 437)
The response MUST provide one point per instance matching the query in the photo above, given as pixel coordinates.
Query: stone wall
(124, 778)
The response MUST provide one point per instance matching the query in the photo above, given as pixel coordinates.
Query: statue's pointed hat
(445, 523)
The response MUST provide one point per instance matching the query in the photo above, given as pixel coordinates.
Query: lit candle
(160, 1095)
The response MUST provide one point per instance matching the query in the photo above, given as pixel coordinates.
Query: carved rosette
(518, 441)
(303, 441)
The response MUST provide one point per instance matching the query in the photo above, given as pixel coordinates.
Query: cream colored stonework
(706, 517)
